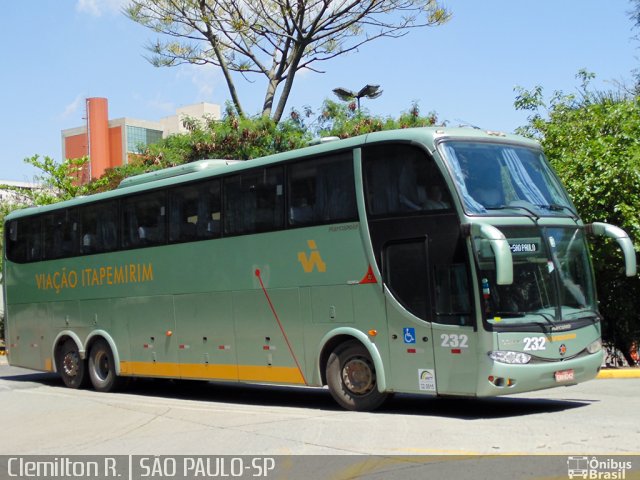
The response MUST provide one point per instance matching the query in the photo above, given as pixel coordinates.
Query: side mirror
(605, 230)
(501, 251)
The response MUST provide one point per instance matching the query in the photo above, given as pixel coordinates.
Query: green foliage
(58, 181)
(345, 120)
(592, 139)
(243, 138)
(235, 137)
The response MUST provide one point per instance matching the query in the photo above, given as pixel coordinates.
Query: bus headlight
(595, 347)
(513, 358)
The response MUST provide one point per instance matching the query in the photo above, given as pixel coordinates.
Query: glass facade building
(138, 138)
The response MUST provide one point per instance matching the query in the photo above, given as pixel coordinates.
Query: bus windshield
(552, 278)
(492, 176)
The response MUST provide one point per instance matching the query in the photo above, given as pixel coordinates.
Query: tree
(243, 138)
(58, 181)
(274, 39)
(238, 138)
(634, 15)
(346, 120)
(592, 139)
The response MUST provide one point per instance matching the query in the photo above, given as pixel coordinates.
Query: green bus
(434, 261)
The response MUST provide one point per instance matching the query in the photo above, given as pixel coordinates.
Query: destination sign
(524, 247)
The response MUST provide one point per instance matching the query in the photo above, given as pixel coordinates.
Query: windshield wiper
(586, 313)
(555, 207)
(534, 215)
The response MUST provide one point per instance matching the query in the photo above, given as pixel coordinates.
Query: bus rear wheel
(351, 376)
(102, 368)
(71, 366)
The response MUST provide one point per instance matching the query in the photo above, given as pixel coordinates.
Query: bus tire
(71, 366)
(102, 368)
(351, 376)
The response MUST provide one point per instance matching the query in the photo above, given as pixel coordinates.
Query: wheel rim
(101, 366)
(71, 364)
(358, 376)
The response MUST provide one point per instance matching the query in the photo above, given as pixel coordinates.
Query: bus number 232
(535, 343)
(454, 341)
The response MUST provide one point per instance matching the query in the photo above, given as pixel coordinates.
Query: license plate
(564, 375)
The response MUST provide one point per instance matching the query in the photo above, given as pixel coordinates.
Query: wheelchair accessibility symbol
(409, 335)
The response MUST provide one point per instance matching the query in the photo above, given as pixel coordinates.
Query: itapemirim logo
(313, 260)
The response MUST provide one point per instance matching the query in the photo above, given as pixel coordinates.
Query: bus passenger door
(407, 304)
(454, 333)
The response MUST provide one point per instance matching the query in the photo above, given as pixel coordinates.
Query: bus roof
(202, 169)
(170, 172)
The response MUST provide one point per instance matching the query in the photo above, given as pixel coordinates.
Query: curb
(606, 373)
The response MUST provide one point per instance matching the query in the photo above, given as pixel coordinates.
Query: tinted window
(61, 234)
(144, 220)
(322, 191)
(453, 305)
(254, 201)
(195, 212)
(401, 179)
(406, 275)
(99, 225)
(24, 240)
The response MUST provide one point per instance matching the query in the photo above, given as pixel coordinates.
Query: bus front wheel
(351, 377)
(71, 366)
(102, 368)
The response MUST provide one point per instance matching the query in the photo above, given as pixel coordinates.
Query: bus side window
(402, 179)
(254, 201)
(144, 220)
(322, 191)
(15, 241)
(406, 274)
(24, 242)
(209, 210)
(183, 214)
(452, 295)
(99, 228)
(61, 234)
(195, 212)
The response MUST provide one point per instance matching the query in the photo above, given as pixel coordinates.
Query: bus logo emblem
(313, 260)
(562, 349)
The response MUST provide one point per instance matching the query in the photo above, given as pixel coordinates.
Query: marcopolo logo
(597, 468)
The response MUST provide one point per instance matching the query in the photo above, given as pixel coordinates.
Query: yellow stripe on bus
(150, 369)
(270, 374)
(561, 338)
(247, 373)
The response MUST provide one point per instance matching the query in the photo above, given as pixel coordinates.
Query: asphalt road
(38, 415)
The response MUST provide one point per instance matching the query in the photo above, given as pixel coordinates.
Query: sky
(56, 53)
